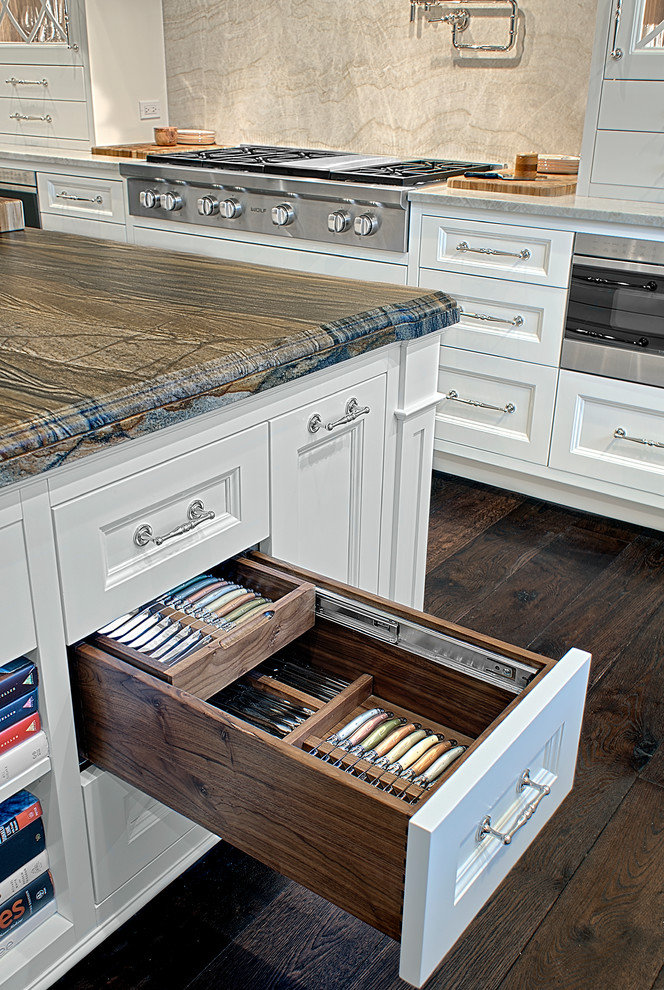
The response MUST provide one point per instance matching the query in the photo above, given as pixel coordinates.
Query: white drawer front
(496, 404)
(509, 319)
(525, 254)
(105, 572)
(635, 158)
(450, 873)
(16, 619)
(81, 196)
(55, 82)
(127, 830)
(102, 229)
(43, 117)
(589, 413)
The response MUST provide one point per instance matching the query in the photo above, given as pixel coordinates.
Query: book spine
(18, 733)
(17, 710)
(16, 683)
(21, 931)
(19, 758)
(20, 820)
(21, 848)
(23, 876)
(24, 904)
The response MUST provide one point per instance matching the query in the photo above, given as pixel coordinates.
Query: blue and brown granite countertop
(102, 342)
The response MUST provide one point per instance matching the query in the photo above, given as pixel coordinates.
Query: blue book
(17, 678)
(17, 812)
(25, 903)
(21, 847)
(17, 710)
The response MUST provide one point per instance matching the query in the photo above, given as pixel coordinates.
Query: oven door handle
(596, 335)
(649, 286)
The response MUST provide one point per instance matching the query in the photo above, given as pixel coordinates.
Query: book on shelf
(17, 934)
(19, 732)
(21, 848)
(17, 678)
(23, 876)
(21, 757)
(17, 710)
(16, 812)
(22, 906)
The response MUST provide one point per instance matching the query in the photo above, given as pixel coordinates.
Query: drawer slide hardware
(196, 514)
(79, 199)
(523, 255)
(455, 397)
(516, 322)
(492, 668)
(485, 828)
(620, 434)
(353, 410)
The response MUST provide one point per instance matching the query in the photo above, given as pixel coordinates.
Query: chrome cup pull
(522, 255)
(516, 322)
(196, 514)
(79, 199)
(353, 411)
(26, 82)
(485, 827)
(455, 397)
(621, 434)
(26, 116)
(616, 53)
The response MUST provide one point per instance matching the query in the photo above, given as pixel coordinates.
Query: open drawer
(415, 863)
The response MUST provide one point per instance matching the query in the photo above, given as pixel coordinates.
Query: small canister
(525, 166)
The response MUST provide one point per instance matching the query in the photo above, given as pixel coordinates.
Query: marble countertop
(28, 157)
(102, 342)
(570, 207)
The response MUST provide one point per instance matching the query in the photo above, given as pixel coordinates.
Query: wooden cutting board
(141, 150)
(11, 214)
(542, 185)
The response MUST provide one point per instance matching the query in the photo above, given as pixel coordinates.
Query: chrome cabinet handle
(485, 828)
(516, 322)
(616, 53)
(523, 255)
(353, 410)
(196, 514)
(26, 116)
(79, 199)
(455, 397)
(620, 434)
(26, 82)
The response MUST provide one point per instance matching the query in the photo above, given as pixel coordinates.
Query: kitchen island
(134, 384)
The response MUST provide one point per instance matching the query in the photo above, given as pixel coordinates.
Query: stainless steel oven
(615, 313)
(18, 183)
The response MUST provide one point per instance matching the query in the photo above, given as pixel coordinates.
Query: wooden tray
(231, 654)
(142, 150)
(542, 185)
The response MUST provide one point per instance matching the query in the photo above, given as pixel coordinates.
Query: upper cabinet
(73, 72)
(623, 136)
(636, 40)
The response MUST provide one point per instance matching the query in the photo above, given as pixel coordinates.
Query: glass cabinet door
(636, 40)
(39, 22)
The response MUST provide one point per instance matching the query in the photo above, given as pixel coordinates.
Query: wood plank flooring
(584, 907)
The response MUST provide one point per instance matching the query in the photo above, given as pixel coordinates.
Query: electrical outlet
(149, 109)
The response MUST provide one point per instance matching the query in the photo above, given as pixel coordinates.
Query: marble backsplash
(361, 77)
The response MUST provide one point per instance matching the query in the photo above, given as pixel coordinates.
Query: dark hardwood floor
(584, 907)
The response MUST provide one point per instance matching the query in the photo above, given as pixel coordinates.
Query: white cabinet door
(326, 484)
(636, 40)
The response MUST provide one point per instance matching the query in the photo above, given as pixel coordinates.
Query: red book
(20, 732)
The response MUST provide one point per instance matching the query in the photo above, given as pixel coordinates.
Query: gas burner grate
(245, 158)
(409, 173)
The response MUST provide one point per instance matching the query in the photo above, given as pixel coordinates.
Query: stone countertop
(567, 207)
(102, 342)
(28, 157)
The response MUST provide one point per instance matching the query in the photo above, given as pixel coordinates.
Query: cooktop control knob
(283, 215)
(208, 206)
(366, 224)
(339, 221)
(171, 201)
(230, 209)
(148, 198)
